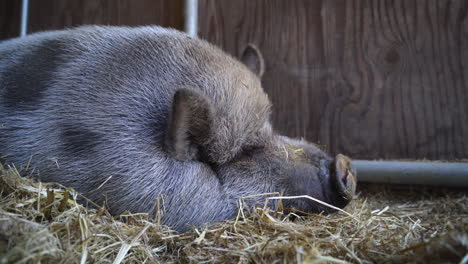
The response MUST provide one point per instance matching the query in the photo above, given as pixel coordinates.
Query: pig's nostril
(344, 179)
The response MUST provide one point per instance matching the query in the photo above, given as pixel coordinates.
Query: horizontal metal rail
(454, 174)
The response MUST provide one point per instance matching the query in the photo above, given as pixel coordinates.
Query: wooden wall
(369, 78)
(53, 14)
(59, 14)
(10, 16)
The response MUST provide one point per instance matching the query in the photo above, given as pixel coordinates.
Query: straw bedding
(42, 223)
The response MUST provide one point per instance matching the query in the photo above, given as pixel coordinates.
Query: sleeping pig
(128, 115)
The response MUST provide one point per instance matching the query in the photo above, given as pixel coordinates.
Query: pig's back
(89, 106)
(92, 98)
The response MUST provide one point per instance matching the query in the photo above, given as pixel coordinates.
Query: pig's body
(104, 110)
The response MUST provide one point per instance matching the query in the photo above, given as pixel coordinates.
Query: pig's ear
(253, 59)
(189, 124)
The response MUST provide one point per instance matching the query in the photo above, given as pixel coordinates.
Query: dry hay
(42, 223)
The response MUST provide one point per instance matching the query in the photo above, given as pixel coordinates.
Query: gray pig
(127, 115)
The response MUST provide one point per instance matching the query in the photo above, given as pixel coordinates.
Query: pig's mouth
(335, 185)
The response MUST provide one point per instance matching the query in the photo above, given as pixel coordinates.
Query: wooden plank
(10, 16)
(371, 79)
(58, 14)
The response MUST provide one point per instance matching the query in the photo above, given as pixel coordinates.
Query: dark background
(371, 79)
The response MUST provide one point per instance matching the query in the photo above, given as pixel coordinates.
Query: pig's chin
(304, 180)
(318, 183)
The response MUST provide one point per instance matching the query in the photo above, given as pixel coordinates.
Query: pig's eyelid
(247, 150)
(252, 148)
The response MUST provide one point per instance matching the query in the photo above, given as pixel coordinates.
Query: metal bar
(191, 17)
(453, 174)
(24, 18)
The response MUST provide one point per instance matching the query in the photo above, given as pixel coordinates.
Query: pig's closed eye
(250, 150)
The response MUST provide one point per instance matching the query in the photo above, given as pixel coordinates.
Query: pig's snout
(344, 176)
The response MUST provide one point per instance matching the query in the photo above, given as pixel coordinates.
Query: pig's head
(226, 128)
(292, 168)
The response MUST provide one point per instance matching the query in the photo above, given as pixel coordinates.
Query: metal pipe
(24, 18)
(191, 17)
(454, 174)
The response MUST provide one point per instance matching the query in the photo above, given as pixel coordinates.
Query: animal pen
(384, 82)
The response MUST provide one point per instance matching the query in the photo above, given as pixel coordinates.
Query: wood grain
(371, 79)
(58, 14)
(10, 16)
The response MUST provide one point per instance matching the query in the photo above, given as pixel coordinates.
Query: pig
(127, 116)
